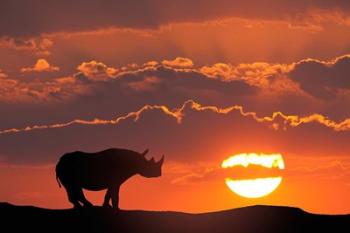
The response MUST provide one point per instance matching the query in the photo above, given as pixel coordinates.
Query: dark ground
(258, 219)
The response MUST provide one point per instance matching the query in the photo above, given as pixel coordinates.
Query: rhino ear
(161, 161)
(145, 152)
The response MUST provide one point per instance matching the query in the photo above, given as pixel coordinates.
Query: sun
(258, 187)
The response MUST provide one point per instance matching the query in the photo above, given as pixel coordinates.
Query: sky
(195, 81)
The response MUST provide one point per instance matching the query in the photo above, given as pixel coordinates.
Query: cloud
(251, 72)
(325, 168)
(187, 174)
(179, 113)
(97, 71)
(302, 79)
(14, 91)
(322, 79)
(314, 20)
(180, 79)
(94, 75)
(41, 66)
(2, 74)
(179, 62)
(40, 45)
(268, 76)
(147, 84)
(200, 89)
(8, 87)
(112, 13)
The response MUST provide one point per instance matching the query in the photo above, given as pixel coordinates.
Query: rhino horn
(160, 162)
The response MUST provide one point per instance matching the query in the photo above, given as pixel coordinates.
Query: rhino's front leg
(107, 198)
(112, 194)
(115, 197)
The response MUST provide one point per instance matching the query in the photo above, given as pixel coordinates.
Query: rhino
(107, 169)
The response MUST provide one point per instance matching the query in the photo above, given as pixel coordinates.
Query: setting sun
(258, 187)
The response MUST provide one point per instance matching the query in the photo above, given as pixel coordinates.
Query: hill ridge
(257, 218)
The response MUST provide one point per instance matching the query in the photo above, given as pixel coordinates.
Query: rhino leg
(112, 194)
(115, 197)
(107, 198)
(73, 197)
(82, 198)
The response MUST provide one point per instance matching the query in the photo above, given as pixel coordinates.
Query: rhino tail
(57, 178)
(58, 181)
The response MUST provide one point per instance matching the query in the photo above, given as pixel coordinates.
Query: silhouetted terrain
(97, 219)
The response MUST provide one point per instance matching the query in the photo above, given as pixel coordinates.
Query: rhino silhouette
(107, 169)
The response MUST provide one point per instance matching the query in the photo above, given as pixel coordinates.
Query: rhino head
(151, 168)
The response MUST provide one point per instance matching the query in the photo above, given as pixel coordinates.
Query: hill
(97, 219)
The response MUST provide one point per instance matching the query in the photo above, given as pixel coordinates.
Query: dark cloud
(39, 45)
(323, 79)
(34, 17)
(201, 136)
(107, 98)
(109, 92)
(100, 91)
(259, 87)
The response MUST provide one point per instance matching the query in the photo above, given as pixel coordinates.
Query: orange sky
(197, 83)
